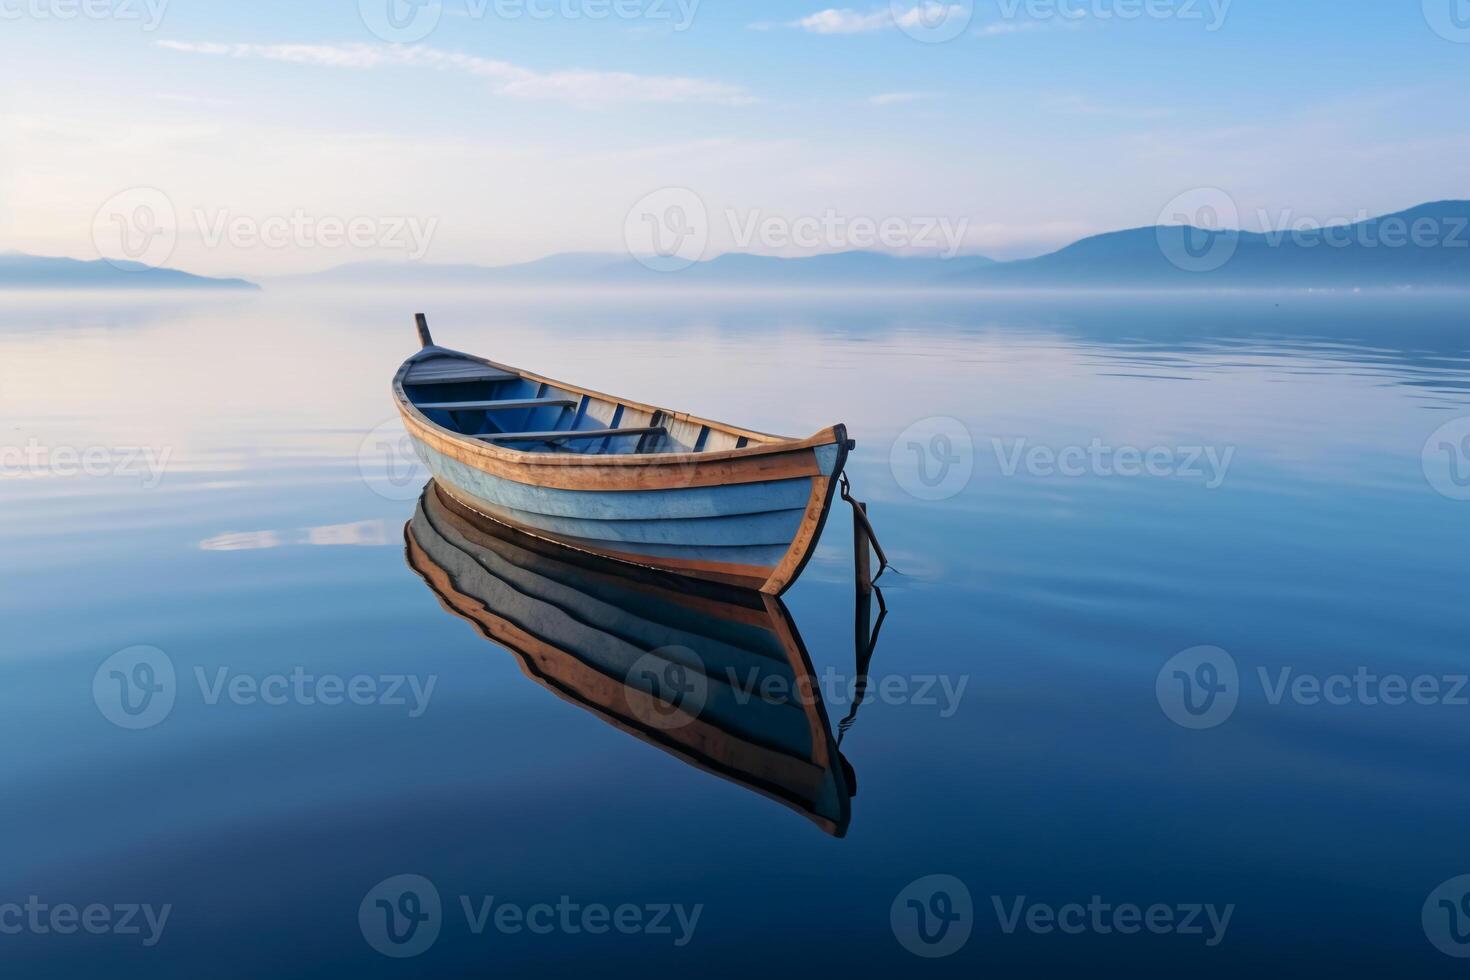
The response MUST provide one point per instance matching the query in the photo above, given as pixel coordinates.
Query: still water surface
(1024, 743)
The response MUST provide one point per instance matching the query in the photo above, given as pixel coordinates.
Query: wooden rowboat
(618, 478)
(624, 642)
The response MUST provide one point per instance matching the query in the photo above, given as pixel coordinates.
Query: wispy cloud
(843, 20)
(899, 98)
(579, 87)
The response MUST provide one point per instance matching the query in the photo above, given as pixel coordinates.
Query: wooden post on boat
(425, 338)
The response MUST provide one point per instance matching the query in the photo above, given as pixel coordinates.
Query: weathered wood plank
(564, 435)
(501, 403)
(457, 372)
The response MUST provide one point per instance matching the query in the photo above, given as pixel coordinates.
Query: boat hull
(692, 496)
(746, 529)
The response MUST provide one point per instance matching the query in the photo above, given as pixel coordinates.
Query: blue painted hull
(737, 533)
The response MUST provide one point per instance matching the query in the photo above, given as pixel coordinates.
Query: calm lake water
(1032, 730)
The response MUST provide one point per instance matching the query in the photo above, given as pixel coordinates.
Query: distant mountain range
(18, 271)
(1425, 247)
(609, 269)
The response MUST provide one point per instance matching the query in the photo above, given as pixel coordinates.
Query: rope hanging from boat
(865, 630)
(860, 514)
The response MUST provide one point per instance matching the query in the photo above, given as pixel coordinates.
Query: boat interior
(481, 401)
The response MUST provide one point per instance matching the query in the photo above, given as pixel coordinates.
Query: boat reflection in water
(715, 675)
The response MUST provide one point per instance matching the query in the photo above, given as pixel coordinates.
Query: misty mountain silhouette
(734, 268)
(20, 271)
(1426, 246)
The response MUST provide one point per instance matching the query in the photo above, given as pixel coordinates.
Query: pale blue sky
(517, 135)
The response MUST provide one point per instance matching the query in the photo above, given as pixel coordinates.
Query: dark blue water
(1292, 508)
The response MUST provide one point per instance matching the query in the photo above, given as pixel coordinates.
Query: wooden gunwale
(569, 471)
